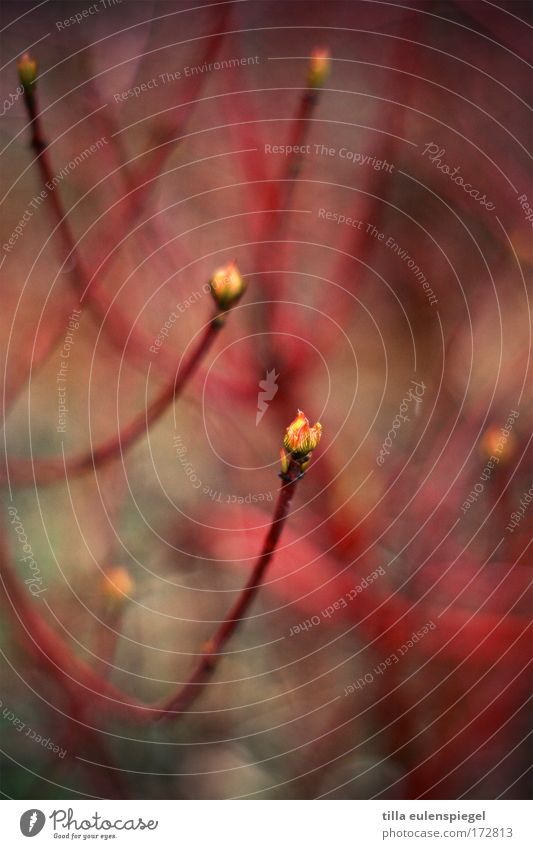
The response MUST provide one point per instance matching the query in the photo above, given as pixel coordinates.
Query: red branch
(73, 673)
(21, 471)
(213, 648)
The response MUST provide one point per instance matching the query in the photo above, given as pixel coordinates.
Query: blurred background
(382, 222)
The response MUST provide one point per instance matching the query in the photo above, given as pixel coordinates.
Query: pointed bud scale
(117, 584)
(27, 69)
(285, 460)
(300, 438)
(227, 286)
(319, 67)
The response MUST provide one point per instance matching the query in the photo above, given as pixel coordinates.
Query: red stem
(74, 674)
(20, 471)
(177, 128)
(281, 192)
(214, 646)
(99, 302)
(278, 199)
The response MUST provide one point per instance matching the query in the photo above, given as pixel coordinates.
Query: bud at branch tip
(319, 67)
(227, 286)
(300, 440)
(27, 68)
(117, 585)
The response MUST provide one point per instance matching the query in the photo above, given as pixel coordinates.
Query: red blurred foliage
(194, 172)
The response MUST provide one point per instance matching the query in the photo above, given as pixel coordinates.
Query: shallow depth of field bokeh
(385, 298)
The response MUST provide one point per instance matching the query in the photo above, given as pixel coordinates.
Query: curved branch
(99, 302)
(21, 471)
(73, 673)
(205, 668)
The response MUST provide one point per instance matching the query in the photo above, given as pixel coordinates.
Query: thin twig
(142, 184)
(73, 673)
(214, 646)
(118, 326)
(21, 471)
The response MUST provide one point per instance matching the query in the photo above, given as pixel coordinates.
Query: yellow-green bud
(117, 585)
(300, 438)
(319, 67)
(227, 286)
(27, 69)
